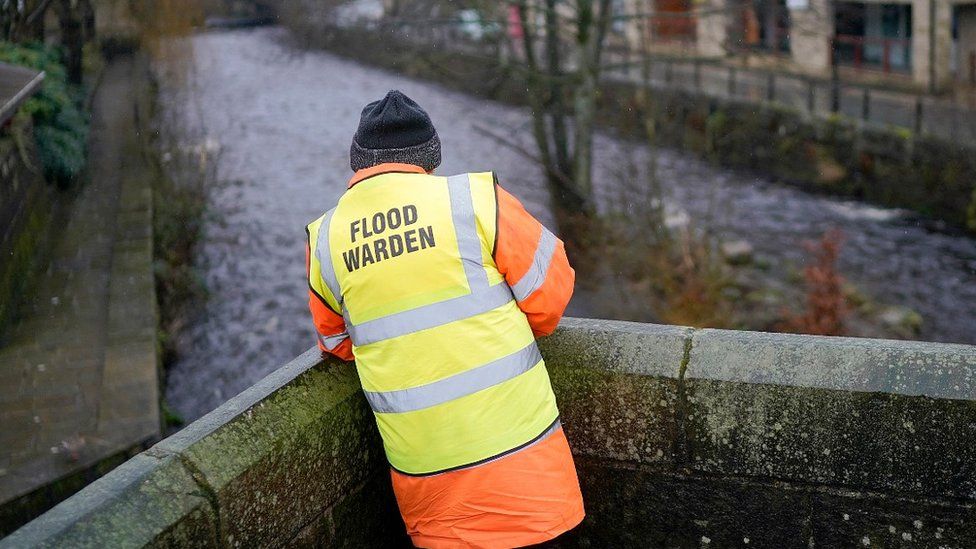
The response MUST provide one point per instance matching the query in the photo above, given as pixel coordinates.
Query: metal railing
(17, 84)
(811, 96)
(823, 98)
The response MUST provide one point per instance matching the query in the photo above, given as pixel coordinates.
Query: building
(928, 43)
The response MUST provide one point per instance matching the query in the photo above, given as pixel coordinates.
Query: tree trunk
(593, 24)
(562, 120)
(557, 97)
(584, 104)
(88, 20)
(72, 39)
(25, 23)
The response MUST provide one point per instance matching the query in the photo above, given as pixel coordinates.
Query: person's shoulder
(483, 178)
(313, 225)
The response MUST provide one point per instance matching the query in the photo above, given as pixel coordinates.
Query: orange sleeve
(330, 327)
(533, 262)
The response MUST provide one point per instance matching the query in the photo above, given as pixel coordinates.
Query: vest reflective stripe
(429, 316)
(469, 245)
(483, 298)
(323, 254)
(536, 276)
(456, 386)
(333, 341)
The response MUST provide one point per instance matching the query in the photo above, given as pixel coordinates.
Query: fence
(816, 97)
(813, 96)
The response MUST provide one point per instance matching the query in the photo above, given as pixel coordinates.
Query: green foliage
(60, 125)
(171, 419)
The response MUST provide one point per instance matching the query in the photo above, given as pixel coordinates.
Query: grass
(182, 179)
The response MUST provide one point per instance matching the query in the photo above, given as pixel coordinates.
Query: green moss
(714, 127)
(23, 255)
(902, 133)
(170, 417)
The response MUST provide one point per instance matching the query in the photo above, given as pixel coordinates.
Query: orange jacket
(523, 498)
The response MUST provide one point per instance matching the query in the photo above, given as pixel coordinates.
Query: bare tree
(22, 20)
(562, 58)
(71, 21)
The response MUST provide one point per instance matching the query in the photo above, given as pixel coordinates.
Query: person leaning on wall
(437, 287)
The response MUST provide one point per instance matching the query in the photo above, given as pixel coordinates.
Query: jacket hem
(509, 542)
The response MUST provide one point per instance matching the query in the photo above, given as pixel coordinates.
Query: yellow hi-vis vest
(447, 360)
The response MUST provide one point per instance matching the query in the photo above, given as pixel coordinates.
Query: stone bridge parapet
(683, 438)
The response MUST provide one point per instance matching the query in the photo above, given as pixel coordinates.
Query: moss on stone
(146, 502)
(299, 448)
(25, 233)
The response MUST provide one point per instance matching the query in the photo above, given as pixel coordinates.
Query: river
(283, 119)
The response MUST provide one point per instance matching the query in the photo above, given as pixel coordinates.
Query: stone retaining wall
(684, 438)
(26, 208)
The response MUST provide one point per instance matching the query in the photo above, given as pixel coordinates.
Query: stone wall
(766, 440)
(838, 156)
(683, 438)
(26, 207)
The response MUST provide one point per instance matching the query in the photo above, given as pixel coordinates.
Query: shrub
(60, 125)
(826, 306)
(669, 269)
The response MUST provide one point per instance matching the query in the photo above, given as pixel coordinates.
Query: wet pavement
(283, 119)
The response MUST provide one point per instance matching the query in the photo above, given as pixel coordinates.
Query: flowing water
(283, 119)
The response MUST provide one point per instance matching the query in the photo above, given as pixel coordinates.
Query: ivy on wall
(60, 124)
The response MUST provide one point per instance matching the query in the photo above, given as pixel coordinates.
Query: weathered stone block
(616, 346)
(641, 507)
(850, 412)
(855, 519)
(146, 502)
(302, 439)
(616, 384)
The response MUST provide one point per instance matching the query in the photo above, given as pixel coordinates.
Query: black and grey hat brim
(427, 155)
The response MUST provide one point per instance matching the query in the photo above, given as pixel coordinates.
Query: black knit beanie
(395, 129)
